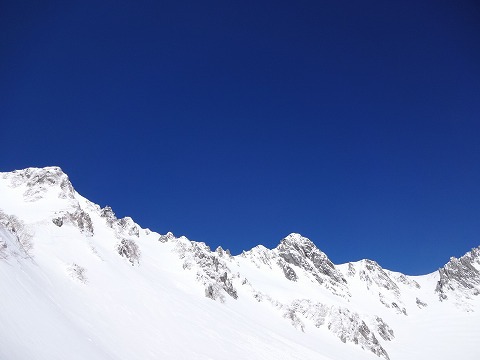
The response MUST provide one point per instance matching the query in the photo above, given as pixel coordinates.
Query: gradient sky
(354, 123)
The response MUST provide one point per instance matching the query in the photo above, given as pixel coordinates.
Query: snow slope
(78, 283)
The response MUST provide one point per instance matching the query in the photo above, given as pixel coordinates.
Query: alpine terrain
(77, 282)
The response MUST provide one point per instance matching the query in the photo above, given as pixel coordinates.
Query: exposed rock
(351, 270)
(301, 252)
(289, 273)
(79, 218)
(212, 269)
(78, 272)
(127, 226)
(291, 314)
(391, 304)
(67, 188)
(58, 221)
(383, 329)
(167, 237)
(123, 227)
(348, 326)
(22, 244)
(214, 292)
(260, 256)
(39, 181)
(381, 282)
(82, 220)
(372, 273)
(460, 278)
(130, 250)
(420, 303)
(3, 249)
(109, 216)
(220, 252)
(407, 281)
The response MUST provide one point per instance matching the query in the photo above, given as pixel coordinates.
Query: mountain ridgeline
(47, 228)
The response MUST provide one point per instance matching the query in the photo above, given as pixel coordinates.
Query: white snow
(74, 297)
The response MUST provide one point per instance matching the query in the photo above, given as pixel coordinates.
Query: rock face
(379, 281)
(109, 216)
(79, 218)
(123, 227)
(38, 181)
(214, 271)
(211, 268)
(77, 272)
(130, 250)
(167, 237)
(348, 326)
(296, 254)
(301, 252)
(17, 238)
(460, 278)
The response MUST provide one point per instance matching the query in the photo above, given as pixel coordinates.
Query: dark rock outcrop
(39, 180)
(301, 252)
(460, 276)
(212, 269)
(130, 250)
(79, 218)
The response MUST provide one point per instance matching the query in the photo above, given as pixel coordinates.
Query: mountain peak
(303, 246)
(30, 172)
(300, 251)
(460, 277)
(38, 181)
(297, 241)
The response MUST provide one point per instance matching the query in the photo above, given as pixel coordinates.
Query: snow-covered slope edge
(79, 283)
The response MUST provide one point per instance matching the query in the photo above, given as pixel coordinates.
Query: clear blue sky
(354, 123)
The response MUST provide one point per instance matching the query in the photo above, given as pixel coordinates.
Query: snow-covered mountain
(76, 282)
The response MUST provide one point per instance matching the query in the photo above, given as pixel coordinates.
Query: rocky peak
(221, 252)
(38, 181)
(297, 242)
(302, 252)
(473, 257)
(167, 237)
(127, 226)
(123, 227)
(108, 214)
(260, 255)
(460, 275)
(295, 247)
(372, 272)
(378, 281)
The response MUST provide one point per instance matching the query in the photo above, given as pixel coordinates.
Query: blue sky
(353, 123)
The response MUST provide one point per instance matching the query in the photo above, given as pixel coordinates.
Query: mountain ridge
(354, 302)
